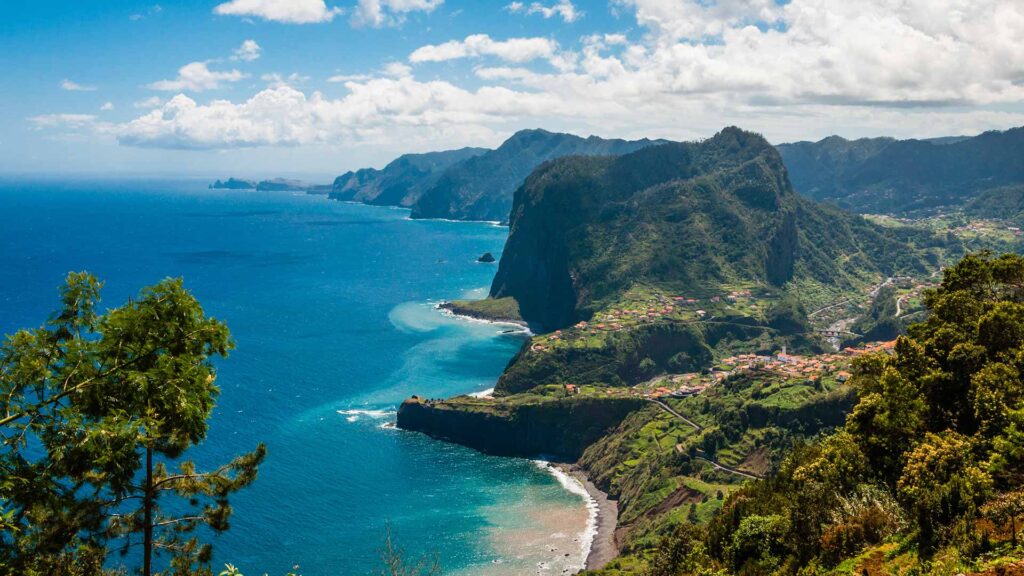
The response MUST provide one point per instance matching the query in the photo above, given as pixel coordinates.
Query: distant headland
(271, 185)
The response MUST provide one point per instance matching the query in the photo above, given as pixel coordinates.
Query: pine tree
(98, 411)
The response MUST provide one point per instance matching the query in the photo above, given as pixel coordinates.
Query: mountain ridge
(904, 176)
(481, 188)
(687, 216)
(402, 181)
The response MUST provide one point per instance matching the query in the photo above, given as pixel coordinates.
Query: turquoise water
(331, 308)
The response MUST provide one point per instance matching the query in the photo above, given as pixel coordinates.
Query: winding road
(698, 427)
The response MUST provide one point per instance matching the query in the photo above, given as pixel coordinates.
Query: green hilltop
(688, 218)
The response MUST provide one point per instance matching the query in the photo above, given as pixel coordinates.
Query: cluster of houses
(654, 309)
(986, 226)
(810, 368)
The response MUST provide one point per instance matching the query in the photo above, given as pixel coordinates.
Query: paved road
(725, 468)
(698, 428)
(669, 409)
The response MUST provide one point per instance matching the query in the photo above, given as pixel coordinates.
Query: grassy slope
(649, 462)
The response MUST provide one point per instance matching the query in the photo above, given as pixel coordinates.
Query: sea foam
(354, 414)
(571, 484)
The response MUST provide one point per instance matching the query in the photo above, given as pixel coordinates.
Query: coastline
(446, 309)
(598, 538)
(604, 519)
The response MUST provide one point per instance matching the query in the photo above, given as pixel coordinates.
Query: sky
(312, 88)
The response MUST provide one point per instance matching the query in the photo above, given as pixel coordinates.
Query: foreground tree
(934, 443)
(97, 411)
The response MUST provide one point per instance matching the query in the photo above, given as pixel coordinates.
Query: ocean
(331, 306)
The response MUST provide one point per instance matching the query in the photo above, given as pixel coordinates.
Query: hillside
(895, 176)
(1004, 203)
(402, 181)
(688, 218)
(481, 188)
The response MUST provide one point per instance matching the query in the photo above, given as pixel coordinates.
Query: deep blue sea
(331, 307)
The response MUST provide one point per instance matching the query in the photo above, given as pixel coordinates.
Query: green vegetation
(882, 175)
(481, 188)
(923, 478)
(686, 218)
(660, 466)
(880, 321)
(98, 411)
(1005, 203)
(402, 181)
(496, 309)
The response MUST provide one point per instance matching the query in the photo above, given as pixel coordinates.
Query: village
(810, 370)
(642, 305)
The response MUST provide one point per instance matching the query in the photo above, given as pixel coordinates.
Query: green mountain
(688, 218)
(1005, 203)
(401, 182)
(481, 187)
(886, 175)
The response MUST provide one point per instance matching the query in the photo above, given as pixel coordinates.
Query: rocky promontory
(525, 426)
(233, 184)
(271, 185)
(489, 309)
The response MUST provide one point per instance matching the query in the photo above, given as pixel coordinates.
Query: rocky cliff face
(684, 216)
(558, 429)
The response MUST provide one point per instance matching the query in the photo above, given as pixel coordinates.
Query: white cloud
(564, 9)
(397, 70)
(696, 19)
(378, 13)
(247, 52)
(107, 106)
(151, 102)
(506, 73)
(809, 68)
(73, 121)
(511, 50)
(338, 78)
(285, 11)
(75, 86)
(197, 77)
(869, 52)
(286, 116)
(275, 80)
(153, 10)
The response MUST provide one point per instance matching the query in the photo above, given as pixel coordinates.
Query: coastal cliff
(692, 218)
(402, 181)
(556, 428)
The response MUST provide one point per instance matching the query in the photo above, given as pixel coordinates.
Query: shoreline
(604, 519)
(447, 311)
(598, 537)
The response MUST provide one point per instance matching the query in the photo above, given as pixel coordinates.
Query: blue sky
(314, 87)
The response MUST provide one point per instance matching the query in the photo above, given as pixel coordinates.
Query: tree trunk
(147, 504)
(1013, 529)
